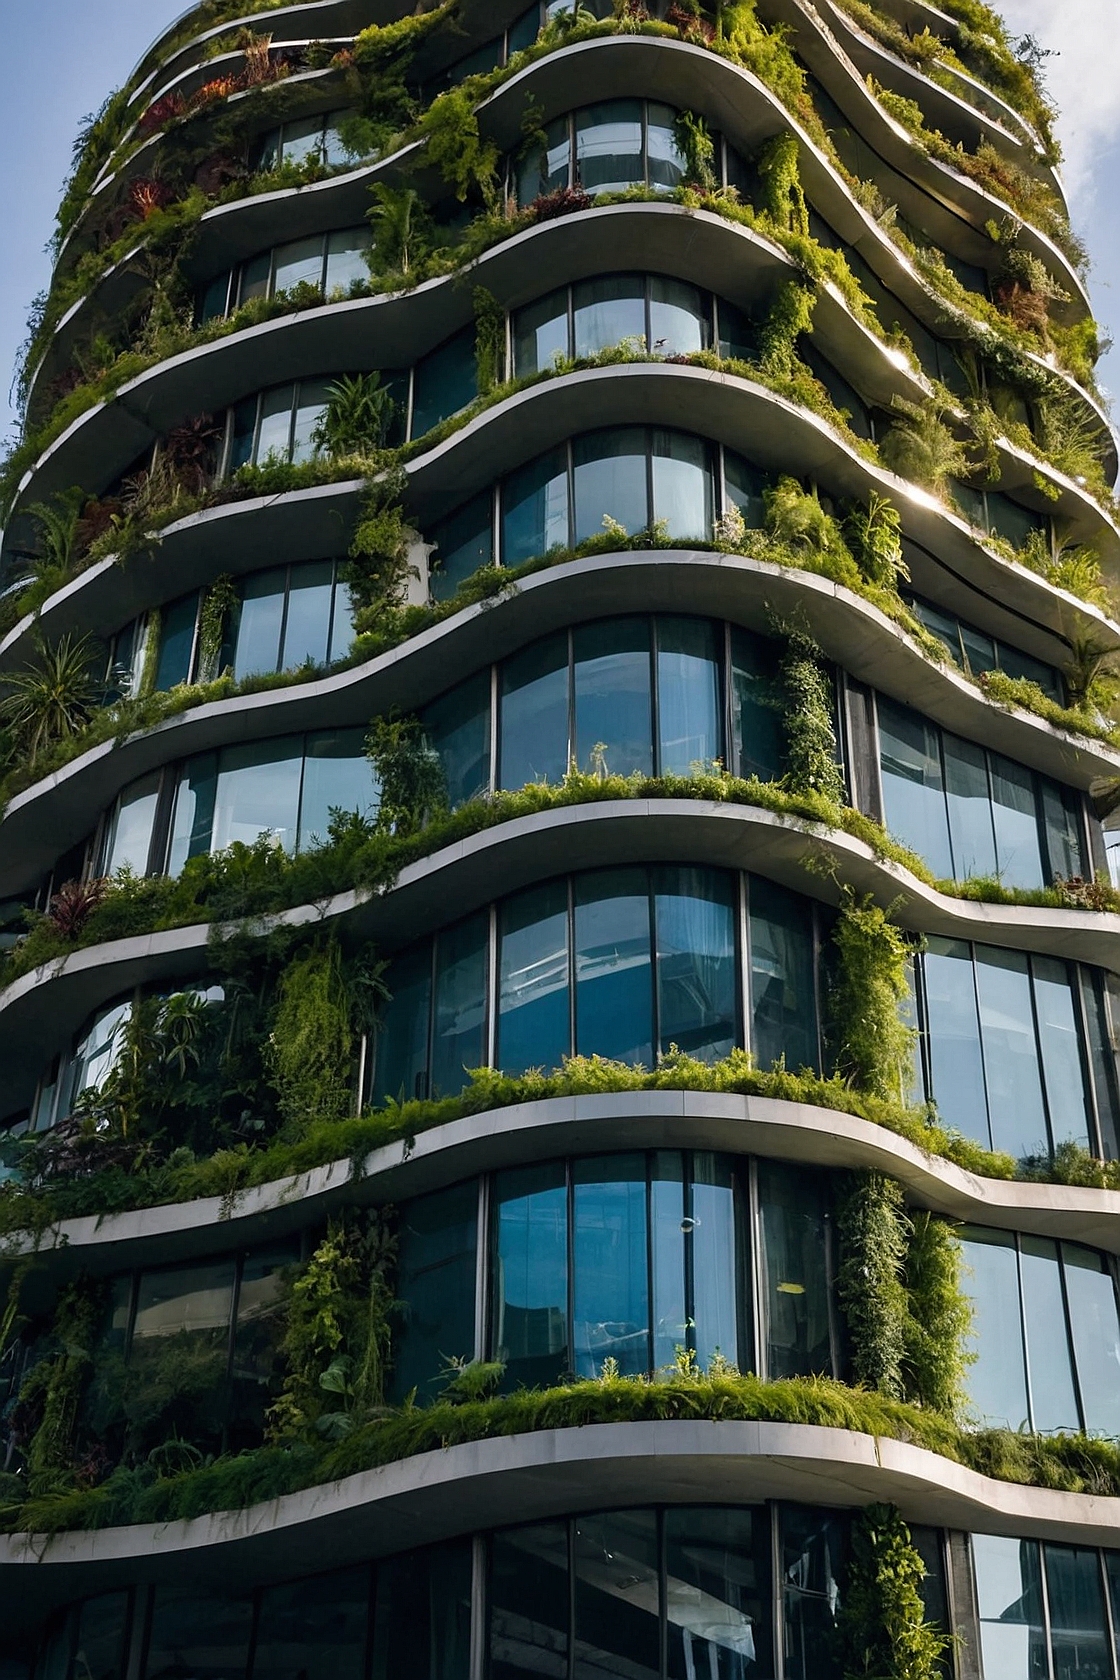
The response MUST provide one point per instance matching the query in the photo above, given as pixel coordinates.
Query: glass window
(255, 277)
(1091, 1294)
(793, 1274)
(100, 1645)
(711, 1229)
(996, 1378)
(616, 1597)
(1015, 1112)
(337, 776)
(422, 1620)
(689, 693)
(402, 1038)
(744, 485)
(717, 1585)
(307, 627)
(534, 1000)
(756, 722)
(953, 1024)
(670, 1236)
(459, 1010)
(206, 1637)
(1059, 1039)
(347, 259)
(679, 317)
(258, 793)
(243, 432)
(437, 1241)
(529, 1275)
(1062, 827)
(609, 146)
(535, 509)
(176, 643)
(96, 1052)
(608, 310)
(274, 438)
(311, 405)
(534, 714)
(814, 1554)
(783, 989)
(529, 1603)
(262, 1317)
(259, 623)
(215, 300)
(1053, 1400)
(129, 838)
(913, 786)
(444, 382)
(462, 544)
(1009, 1598)
(614, 1003)
(178, 1358)
(193, 820)
(540, 334)
(303, 139)
(299, 263)
(613, 721)
(610, 1296)
(314, 1629)
(666, 161)
(610, 481)
(1079, 1638)
(696, 962)
(457, 727)
(548, 169)
(970, 809)
(682, 486)
(1016, 822)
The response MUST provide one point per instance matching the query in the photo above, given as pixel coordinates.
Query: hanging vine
(219, 604)
(310, 1048)
(783, 196)
(872, 1045)
(490, 340)
(873, 1230)
(811, 747)
(413, 786)
(882, 1629)
(52, 1391)
(940, 1317)
(790, 315)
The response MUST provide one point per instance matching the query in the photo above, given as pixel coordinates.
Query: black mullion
(1092, 1096)
(296, 385)
(727, 705)
(662, 1594)
(284, 612)
(571, 466)
(371, 1617)
(650, 510)
(570, 1525)
(231, 1345)
(571, 319)
(1078, 1394)
(649, 1265)
(431, 1018)
(654, 694)
(1042, 1080)
(254, 1631)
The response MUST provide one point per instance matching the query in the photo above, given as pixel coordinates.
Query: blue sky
(62, 57)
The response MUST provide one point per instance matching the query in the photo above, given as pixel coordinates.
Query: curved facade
(561, 970)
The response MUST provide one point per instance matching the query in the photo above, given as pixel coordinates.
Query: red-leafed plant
(74, 903)
(146, 196)
(188, 453)
(160, 113)
(565, 201)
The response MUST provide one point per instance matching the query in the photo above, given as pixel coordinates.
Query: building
(549, 545)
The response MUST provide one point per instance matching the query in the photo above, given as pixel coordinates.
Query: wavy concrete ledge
(40, 1010)
(531, 1477)
(526, 1133)
(55, 813)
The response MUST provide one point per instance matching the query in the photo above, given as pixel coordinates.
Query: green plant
(783, 196)
(52, 1390)
(808, 713)
(219, 603)
(490, 340)
(940, 1316)
(871, 1042)
(454, 146)
(57, 523)
(698, 150)
(789, 316)
(872, 1227)
(357, 417)
(882, 1629)
(310, 1047)
(396, 216)
(413, 787)
(53, 697)
(875, 532)
(378, 568)
(922, 447)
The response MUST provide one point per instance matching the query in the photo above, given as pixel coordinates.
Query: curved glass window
(1018, 1048)
(975, 651)
(303, 140)
(972, 812)
(85, 1067)
(664, 316)
(1044, 1608)
(331, 263)
(635, 477)
(287, 617)
(1046, 1330)
(622, 963)
(605, 148)
(628, 1257)
(992, 511)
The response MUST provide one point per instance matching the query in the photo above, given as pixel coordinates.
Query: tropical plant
(882, 1629)
(922, 447)
(395, 217)
(53, 697)
(409, 772)
(357, 417)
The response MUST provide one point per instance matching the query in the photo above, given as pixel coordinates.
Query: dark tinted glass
(100, 1645)
(314, 1629)
(529, 1275)
(610, 470)
(535, 509)
(436, 1256)
(176, 643)
(422, 1620)
(458, 728)
(717, 1582)
(534, 1003)
(613, 703)
(459, 1014)
(814, 1559)
(783, 993)
(615, 1564)
(444, 382)
(756, 722)
(614, 1001)
(529, 1604)
(205, 1638)
(307, 628)
(402, 1038)
(463, 543)
(793, 1281)
(610, 1293)
(1078, 1627)
(534, 714)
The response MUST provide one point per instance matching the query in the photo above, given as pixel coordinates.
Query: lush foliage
(882, 1623)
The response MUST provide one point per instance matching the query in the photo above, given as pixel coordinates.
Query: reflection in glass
(613, 725)
(1053, 1400)
(814, 1560)
(616, 1593)
(954, 1036)
(529, 1603)
(1066, 1096)
(717, 1583)
(457, 727)
(794, 1272)
(682, 486)
(535, 508)
(913, 786)
(314, 1629)
(609, 478)
(402, 1038)
(609, 146)
(1009, 1597)
(970, 809)
(533, 726)
(756, 723)
(437, 1239)
(534, 1001)
(1016, 821)
(337, 778)
(100, 1646)
(610, 1300)
(422, 1615)
(696, 952)
(1075, 1598)
(606, 311)
(529, 1275)
(459, 1010)
(206, 1637)
(129, 838)
(1091, 1294)
(1015, 1110)
(614, 1004)
(258, 793)
(783, 989)
(996, 1377)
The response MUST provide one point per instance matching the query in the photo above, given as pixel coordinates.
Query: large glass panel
(696, 962)
(913, 788)
(613, 712)
(298, 264)
(608, 310)
(529, 1275)
(711, 1232)
(1053, 1400)
(258, 793)
(259, 621)
(130, 833)
(308, 627)
(533, 727)
(1016, 819)
(1095, 990)
(534, 1001)
(529, 1603)
(738, 339)
(1061, 1051)
(314, 396)
(422, 1622)
(679, 318)
(546, 169)
(996, 1377)
(617, 1597)
(459, 1015)
(970, 809)
(1078, 1631)
(610, 1283)
(203, 1638)
(99, 1649)
(954, 1037)
(535, 509)
(814, 1561)
(668, 1224)
(444, 382)
(337, 777)
(688, 695)
(243, 432)
(95, 1053)
(1096, 1336)
(793, 1280)
(666, 160)
(402, 1038)
(303, 139)
(614, 1001)
(274, 439)
(462, 543)
(437, 1241)
(314, 1629)
(756, 718)
(783, 1007)
(193, 820)
(717, 1584)
(1009, 1598)
(347, 259)
(610, 481)
(262, 1314)
(458, 730)
(176, 643)
(744, 485)
(540, 334)
(1010, 1052)
(255, 277)
(609, 146)
(342, 622)
(682, 486)
(1061, 821)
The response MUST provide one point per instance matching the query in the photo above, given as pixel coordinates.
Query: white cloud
(1082, 80)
